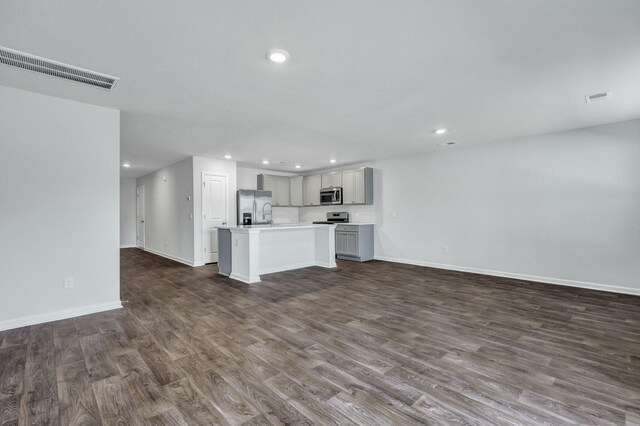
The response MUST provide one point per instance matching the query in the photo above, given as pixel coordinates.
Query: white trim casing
(226, 189)
(58, 315)
(524, 277)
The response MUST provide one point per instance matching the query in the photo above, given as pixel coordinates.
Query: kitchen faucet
(270, 212)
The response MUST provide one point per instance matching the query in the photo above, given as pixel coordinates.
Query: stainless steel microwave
(330, 196)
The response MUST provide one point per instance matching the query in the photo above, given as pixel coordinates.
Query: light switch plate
(68, 282)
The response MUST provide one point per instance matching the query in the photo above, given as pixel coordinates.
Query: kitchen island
(246, 252)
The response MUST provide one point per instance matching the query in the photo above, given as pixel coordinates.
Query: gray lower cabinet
(224, 252)
(354, 242)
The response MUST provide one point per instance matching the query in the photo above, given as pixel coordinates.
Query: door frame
(139, 190)
(201, 219)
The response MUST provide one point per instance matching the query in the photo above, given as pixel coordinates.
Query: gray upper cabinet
(268, 183)
(299, 191)
(312, 185)
(332, 180)
(357, 186)
(296, 191)
(283, 189)
(279, 187)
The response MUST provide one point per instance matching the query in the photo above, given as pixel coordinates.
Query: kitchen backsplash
(312, 214)
(356, 213)
(285, 214)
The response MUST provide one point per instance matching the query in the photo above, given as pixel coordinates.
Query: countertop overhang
(271, 227)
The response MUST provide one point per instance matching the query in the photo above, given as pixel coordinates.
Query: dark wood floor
(374, 343)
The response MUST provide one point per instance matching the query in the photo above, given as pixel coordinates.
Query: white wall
(561, 208)
(59, 177)
(248, 179)
(127, 212)
(211, 165)
(168, 225)
(173, 207)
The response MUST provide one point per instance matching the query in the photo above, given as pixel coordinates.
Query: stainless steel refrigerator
(254, 207)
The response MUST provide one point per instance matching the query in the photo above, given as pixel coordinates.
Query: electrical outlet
(68, 282)
(166, 243)
(445, 250)
(393, 214)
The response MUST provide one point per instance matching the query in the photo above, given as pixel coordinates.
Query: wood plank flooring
(374, 343)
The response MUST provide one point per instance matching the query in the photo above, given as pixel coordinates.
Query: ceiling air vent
(29, 62)
(448, 143)
(598, 97)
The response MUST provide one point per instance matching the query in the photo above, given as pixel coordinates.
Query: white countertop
(273, 227)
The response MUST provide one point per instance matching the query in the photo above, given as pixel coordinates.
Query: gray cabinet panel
(332, 180)
(296, 191)
(354, 242)
(282, 197)
(279, 187)
(224, 251)
(341, 243)
(311, 186)
(357, 186)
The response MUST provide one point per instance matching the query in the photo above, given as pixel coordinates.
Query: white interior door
(140, 216)
(214, 213)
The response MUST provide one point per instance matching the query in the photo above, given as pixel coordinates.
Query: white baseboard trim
(275, 269)
(168, 256)
(329, 265)
(58, 315)
(242, 278)
(129, 246)
(524, 277)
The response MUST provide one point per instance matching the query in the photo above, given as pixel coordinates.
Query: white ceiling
(367, 79)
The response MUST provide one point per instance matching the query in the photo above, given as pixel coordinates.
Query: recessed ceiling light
(298, 166)
(333, 160)
(125, 164)
(440, 131)
(265, 161)
(278, 55)
(228, 157)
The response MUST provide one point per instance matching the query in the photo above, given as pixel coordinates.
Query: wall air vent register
(597, 97)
